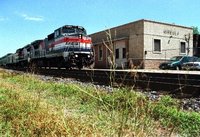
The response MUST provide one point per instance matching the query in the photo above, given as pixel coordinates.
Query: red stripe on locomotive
(86, 41)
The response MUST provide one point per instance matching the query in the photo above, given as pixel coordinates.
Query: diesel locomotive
(67, 47)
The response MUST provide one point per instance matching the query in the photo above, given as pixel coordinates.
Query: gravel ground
(190, 104)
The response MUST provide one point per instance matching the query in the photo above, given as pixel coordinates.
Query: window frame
(182, 53)
(117, 53)
(124, 53)
(160, 46)
(100, 54)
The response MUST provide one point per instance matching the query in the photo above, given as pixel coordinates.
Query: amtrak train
(68, 47)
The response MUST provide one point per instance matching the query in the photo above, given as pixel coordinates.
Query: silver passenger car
(193, 65)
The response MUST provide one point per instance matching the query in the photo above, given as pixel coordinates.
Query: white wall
(170, 35)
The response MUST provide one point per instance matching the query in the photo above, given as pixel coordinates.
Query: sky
(23, 21)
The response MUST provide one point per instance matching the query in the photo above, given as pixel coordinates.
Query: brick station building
(141, 44)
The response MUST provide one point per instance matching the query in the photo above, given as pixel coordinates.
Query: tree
(195, 30)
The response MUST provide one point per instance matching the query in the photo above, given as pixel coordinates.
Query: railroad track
(171, 81)
(187, 82)
(183, 85)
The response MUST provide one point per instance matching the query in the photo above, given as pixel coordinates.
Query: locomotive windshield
(81, 31)
(68, 30)
(73, 30)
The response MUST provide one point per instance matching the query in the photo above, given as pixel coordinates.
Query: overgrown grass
(170, 116)
(31, 107)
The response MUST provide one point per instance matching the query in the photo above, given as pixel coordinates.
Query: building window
(124, 53)
(100, 57)
(117, 53)
(183, 48)
(157, 45)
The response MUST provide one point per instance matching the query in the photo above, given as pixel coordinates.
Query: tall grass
(31, 107)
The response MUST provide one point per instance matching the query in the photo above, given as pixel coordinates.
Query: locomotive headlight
(76, 56)
(88, 56)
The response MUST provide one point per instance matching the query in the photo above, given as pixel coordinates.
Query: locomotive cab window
(68, 30)
(57, 33)
(82, 31)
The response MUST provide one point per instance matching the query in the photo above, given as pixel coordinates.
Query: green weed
(31, 107)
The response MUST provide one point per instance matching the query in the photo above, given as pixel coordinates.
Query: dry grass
(31, 107)
(27, 113)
